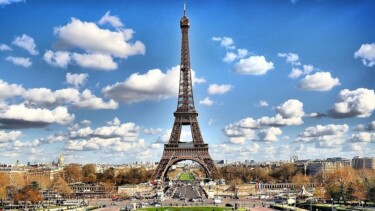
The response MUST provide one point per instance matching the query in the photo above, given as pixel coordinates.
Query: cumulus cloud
(324, 135)
(90, 37)
(4, 47)
(368, 127)
(269, 134)
(225, 42)
(20, 116)
(291, 58)
(288, 113)
(57, 59)
(365, 137)
(89, 101)
(95, 61)
(231, 56)
(20, 61)
(297, 72)
(254, 65)
(112, 20)
(206, 101)
(9, 136)
(240, 131)
(356, 103)
(26, 42)
(115, 122)
(153, 85)
(10, 90)
(128, 132)
(215, 89)
(76, 79)
(263, 103)
(152, 131)
(320, 81)
(367, 53)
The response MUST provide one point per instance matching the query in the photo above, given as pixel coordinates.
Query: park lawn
(186, 209)
(186, 176)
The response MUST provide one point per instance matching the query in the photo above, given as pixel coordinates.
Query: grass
(186, 209)
(186, 176)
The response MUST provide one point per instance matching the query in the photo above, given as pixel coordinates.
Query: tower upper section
(185, 96)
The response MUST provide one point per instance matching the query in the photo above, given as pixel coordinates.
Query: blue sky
(97, 81)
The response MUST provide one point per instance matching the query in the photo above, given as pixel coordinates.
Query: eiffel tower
(175, 150)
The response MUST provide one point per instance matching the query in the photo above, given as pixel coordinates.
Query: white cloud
(206, 101)
(215, 89)
(152, 131)
(369, 127)
(324, 135)
(95, 61)
(367, 53)
(10, 90)
(254, 65)
(291, 58)
(90, 37)
(47, 97)
(115, 122)
(9, 136)
(320, 81)
(85, 122)
(288, 113)
(127, 132)
(20, 61)
(240, 131)
(366, 137)
(90, 101)
(4, 47)
(297, 72)
(76, 79)
(57, 59)
(229, 57)
(112, 20)
(5, 2)
(263, 103)
(225, 42)
(269, 134)
(20, 112)
(356, 103)
(26, 43)
(153, 85)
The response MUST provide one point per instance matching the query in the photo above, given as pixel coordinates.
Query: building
(324, 166)
(363, 163)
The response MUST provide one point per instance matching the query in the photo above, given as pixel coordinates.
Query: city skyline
(98, 82)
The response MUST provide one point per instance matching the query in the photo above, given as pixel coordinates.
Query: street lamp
(332, 203)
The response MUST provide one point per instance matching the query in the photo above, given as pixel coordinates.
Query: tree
(4, 179)
(342, 183)
(60, 186)
(72, 173)
(284, 173)
(300, 180)
(3, 193)
(29, 193)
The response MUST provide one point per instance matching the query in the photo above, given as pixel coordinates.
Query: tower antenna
(184, 7)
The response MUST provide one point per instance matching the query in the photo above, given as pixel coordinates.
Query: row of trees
(341, 184)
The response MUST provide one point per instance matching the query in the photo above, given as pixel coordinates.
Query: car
(192, 200)
(229, 205)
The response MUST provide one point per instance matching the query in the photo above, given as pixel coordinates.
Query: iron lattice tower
(175, 150)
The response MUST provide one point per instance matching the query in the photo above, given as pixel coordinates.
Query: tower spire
(184, 7)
